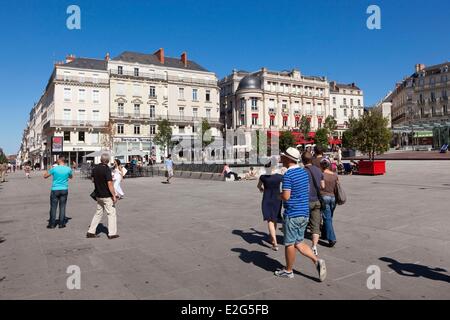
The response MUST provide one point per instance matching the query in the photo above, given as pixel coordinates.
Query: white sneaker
(284, 274)
(314, 249)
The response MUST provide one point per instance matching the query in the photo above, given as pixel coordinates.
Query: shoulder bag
(319, 196)
(339, 193)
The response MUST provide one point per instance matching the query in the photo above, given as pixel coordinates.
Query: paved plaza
(197, 239)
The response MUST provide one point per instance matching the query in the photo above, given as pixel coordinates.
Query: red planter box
(372, 168)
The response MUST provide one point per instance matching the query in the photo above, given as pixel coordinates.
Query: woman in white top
(118, 174)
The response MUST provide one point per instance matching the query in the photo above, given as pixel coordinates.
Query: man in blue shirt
(59, 192)
(169, 168)
(295, 198)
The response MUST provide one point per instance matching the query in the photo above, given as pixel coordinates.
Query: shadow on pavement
(263, 261)
(416, 270)
(256, 237)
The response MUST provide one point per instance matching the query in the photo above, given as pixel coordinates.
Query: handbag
(339, 193)
(319, 196)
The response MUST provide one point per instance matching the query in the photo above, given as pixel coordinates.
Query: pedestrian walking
(316, 183)
(118, 175)
(329, 200)
(27, 170)
(269, 184)
(295, 196)
(318, 156)
(3, 169)
(168, 163)
(59, 192)
(106, 198)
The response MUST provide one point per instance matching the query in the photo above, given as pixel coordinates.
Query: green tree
(287, 140)
(346, 138)
(305, 127)
(206, 135)
(3, 158)
(163, 138)
(321, 138)
(330, 125)
(370, 134)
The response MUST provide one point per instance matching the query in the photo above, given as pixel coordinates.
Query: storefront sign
(132, 140)
(423, 134)
(57, 144)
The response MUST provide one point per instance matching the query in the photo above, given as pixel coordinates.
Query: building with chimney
(146, 87)
(346, 101)
(114, 104)
(71, 117)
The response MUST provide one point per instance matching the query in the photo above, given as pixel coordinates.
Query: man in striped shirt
(295, 198)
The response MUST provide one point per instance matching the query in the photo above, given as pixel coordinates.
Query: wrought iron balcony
(76, 123)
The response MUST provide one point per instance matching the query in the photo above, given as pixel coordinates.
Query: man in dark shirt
(106, 198)
(314, 198)
(318, 156)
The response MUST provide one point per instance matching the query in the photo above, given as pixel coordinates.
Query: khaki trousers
(105, 205)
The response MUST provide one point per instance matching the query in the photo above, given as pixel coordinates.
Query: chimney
(107, 56)
(160, 55)
(184, 58)
(419, 67)
(70, 58)
(353, 84)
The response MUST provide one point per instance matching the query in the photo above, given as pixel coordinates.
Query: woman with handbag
(329, 201)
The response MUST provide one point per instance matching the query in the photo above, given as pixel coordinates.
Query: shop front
(142, 148)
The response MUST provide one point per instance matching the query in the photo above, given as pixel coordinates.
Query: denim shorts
(294, 229)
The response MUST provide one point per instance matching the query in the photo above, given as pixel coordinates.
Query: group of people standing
(107, 191)
(307, 193)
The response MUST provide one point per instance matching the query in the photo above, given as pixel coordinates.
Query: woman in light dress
(118, 173)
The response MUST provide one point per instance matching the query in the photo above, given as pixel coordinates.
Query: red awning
(285, 117)
(334, 141)
(254, 115)
(272, 116)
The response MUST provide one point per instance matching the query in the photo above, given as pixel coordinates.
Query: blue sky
(326, 37)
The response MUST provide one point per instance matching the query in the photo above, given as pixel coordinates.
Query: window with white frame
(345, 101)
(95, 115)
(81, 115)
(119, 70)
(285, 122)
(81, 95)
(181, 112)
(136, 72)
(81, 76)
(66, 114)
(137, 129)
(271, 105)
(152, 111)
(272, 122)
(152, 92)
(334, 100)
(334, 112)
(120, 128)
(208, 96)
(195, 113)
(121, 88)
(242, 104)
(95, 96)
(152, 129)
(345, 112)
(208, 113)
(67, 94)
(254, 121)
(351, 102)
(120, 109)
(95, 78)
(359, 102)
(181, 93)
(137, 109)
(181, 129)
(194, 94)
(254, 104)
